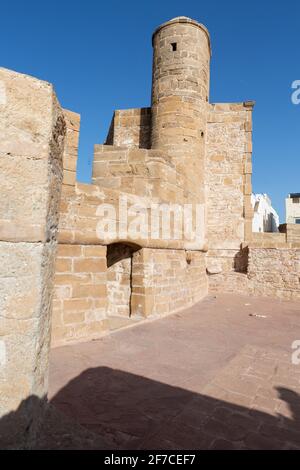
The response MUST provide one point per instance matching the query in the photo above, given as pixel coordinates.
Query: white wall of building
(265, 218)
(292, 207)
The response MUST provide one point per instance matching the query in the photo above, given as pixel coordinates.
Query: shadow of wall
(104, 408)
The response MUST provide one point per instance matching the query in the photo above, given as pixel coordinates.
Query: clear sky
(98, 56)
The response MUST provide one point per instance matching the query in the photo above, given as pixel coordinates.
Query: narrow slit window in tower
(174, 46)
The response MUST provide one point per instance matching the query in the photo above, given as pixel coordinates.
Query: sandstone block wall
(228, 186)
(145, 173)
(79, 218)
(167, 280)
(119, 288)
(269, 267)
(292, 232)
(78, 214)
(275, 272)
(91, 288)
(80, 297)
(71, 147)
(181, 150)
(269, 240)
(135, 171)
(227, 271)
(228, 172)
(32, 130)
(120, 279)
(130, 128)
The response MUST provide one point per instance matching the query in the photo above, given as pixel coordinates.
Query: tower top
(183, 20)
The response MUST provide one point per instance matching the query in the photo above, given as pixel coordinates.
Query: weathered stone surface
(32, 131)
(80, 295)
(181, 150)
(71, 147)
(164, 281)
(275, 272)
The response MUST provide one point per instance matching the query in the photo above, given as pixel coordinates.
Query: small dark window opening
(174, 46)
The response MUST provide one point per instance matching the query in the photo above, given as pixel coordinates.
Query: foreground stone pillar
(32, 132)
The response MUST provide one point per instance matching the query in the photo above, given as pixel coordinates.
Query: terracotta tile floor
(214, 376)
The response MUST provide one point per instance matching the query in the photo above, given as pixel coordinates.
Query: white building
(292, 208)
(265, 218)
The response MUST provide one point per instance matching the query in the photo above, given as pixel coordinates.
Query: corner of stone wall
(70, 156)
(247, 177)
(80, 296)
(32, 129)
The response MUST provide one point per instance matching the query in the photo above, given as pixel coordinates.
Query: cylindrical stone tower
(180, 90)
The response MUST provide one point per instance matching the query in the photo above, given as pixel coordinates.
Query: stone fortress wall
(32, 130)
(180, 150)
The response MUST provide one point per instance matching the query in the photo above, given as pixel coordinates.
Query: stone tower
(183, 154)
(180, 93)
(181, 150)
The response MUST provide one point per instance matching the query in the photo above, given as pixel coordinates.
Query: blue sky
(98, 56)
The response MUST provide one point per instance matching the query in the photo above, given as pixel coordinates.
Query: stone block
(73, 317)
(97, 251)
(89, 290)
(89, 265)
(68, 251)
(73, 305)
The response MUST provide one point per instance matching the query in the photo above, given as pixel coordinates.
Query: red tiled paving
(214, 376)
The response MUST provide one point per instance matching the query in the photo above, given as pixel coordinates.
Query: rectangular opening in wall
(174, 46)
(119, 278)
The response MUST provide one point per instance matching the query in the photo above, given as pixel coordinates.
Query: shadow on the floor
(39, 425)
(106, 408)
